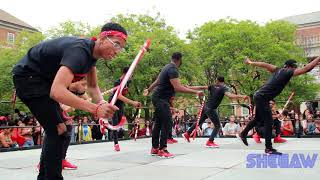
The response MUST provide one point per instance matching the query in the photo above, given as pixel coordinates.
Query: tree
(165, 41)
(69, 28)
(224, 44)
(8, 58)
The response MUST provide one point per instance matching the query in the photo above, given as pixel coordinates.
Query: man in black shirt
(167, 84)
(42, 78)
(119, 103)
(216, 94)
(271, 89)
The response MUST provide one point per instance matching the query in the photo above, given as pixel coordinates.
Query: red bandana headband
(113, 33)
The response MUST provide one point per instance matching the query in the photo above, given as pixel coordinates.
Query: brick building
(308, 37)
(10, 27)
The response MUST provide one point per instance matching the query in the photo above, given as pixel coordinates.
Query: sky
(181, 14)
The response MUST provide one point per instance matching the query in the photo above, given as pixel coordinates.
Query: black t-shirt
(45, 59)
(216, 94)
(165, 90)
(276, 83)
(124, 92)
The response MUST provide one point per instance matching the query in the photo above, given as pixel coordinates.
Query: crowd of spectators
(23, 130)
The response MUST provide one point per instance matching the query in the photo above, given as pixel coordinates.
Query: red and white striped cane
(124, 81)
(194, 132)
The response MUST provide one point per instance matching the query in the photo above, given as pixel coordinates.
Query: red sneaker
(186, 136)
(174, 140)
(256, 138)
(116, 147)
(279, 139)
(154, 151)
(211, 144)
(165, 154)
(67, 165)
(169, 141)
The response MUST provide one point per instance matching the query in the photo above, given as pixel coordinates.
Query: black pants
(66, 141)
(170, 126)
(34, 92)
(260, 131)
(116, 118)
(263, 116)
(276, 126)
(162, 118)
(96, 134)
(214, 117)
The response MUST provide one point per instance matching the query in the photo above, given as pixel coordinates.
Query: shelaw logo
(281, 161)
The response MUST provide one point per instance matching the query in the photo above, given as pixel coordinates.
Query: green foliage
(215, 48)
(164, 42)
(9, 56)
(224, 44)
(69, 28)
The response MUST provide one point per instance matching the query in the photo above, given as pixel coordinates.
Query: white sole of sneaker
(166, 157)
(214, 147)
(70, 168)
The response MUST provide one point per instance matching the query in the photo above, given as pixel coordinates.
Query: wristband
(97, 108)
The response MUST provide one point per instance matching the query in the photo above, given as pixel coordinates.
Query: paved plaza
(193, 161)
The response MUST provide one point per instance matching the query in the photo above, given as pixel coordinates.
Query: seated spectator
(136, 129)
(36, 132)
(207, 127)
(16, 133)
(19, 114)
(5, 138)
(306, 113)
(317, 123)
(317, 115)
(3, 122)
(298, 128)
(231, 128)
(27, 132)
(9, 117)
(85, 130)
(177, 127)
(286, 127)
(147, 130)
(311, 127)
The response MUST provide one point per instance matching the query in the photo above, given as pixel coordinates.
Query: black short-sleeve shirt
(46, 58)
(276, 83)
(165, 90)
(216, 94)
